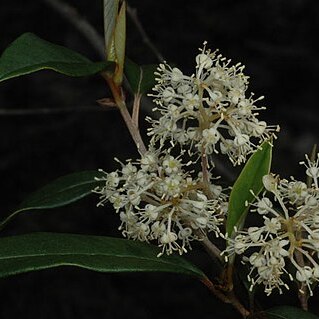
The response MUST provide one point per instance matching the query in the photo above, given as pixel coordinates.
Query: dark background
(276, 41)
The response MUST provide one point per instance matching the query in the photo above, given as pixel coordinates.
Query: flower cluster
(209, 109)
(159, 200)
(289, 234)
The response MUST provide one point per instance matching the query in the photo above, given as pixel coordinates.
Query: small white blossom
(270, 182)
(312, 169)
(264, 206)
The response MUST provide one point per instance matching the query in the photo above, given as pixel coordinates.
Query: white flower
(270, 182)
(258, 260)
(264, 206)
(159, 200)
(254, 233)
(272, 225)
(214, 103)
(171, 165)
(304, 274)
(209, 138)
(312, 169)
(290, 233)
(149, 162)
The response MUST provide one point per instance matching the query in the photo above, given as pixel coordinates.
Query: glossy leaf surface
(63, 191)
(109, 17)
(140, 77)
(31, 252)
(249, 179)
(119, 44)
(29, 53)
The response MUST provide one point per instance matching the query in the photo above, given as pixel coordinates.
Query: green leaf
(24, 253)
(29, 53)
(61, 192)
(140, 77)
(249, 179)
(110, 14)
(119, 44)
(288, 312)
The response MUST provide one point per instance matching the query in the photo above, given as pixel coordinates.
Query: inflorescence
(286, 246)
(161, 198)
(209, 109)
(158, 199)
(166, 199)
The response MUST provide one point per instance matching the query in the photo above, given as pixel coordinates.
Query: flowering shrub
(164, 199)
(170, 196)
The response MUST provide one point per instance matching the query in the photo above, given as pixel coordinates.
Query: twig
(119, 100)
(237, 304)
(229, 298)
(205, 172)
(211, 249)
(132, 129)
(136, 109)
(80, 23)
(132, 12)
(302, 291)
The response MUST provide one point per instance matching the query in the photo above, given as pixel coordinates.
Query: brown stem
(119, 100)
(302, 292)
(228, 295)
(206, 182)
(132, 129)
(229, 298)
(237, 304)
(136, 108)
(211, 249)
(303, 298)
(229, 276)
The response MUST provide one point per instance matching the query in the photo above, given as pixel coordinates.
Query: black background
(275, 39)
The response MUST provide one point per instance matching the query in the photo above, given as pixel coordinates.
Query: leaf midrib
(60, 191)
(40, 66)
(100, 255)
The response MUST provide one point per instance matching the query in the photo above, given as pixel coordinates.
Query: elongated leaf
(288, 312)
(110, 14)
(20, 254)
(61, 192)
(30, 53)
(140, 77)
(119, 43)
(249, 179)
